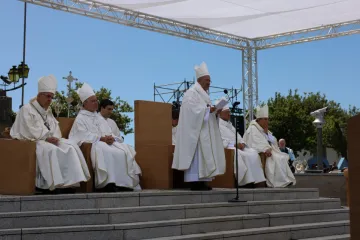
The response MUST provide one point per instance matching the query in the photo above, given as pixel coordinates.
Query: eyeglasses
(48, 95)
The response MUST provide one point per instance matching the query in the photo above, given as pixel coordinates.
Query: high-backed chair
(18, 167)
(228, 179)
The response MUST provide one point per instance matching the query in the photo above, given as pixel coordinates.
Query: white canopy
(248, 18)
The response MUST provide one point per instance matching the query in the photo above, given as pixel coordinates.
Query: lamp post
(319, 123)
(24, 68)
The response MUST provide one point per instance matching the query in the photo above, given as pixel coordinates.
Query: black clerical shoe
(111, 187)
(66, 190)
(200, 186)
(123, 189)
(44, 191)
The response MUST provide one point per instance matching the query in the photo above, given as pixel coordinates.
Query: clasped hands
(268, 153)
(53, 140)
(108, 139)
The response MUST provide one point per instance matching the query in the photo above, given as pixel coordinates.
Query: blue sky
(130, 60)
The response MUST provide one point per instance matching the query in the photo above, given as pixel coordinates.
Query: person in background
(175, 121)
(284, 149)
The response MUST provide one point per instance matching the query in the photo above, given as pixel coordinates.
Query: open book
(222, 103)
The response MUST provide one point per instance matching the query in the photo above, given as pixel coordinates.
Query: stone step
(336, 237)
(164, 212)
(146, 198)
(289, 232)
(178, 227)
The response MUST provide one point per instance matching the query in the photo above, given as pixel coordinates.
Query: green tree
(290, 119)
(120, 106)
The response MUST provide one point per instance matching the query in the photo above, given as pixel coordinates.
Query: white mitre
(262, 112)
(201, 70)
(47, 84)
(85, 92)
(224, 108)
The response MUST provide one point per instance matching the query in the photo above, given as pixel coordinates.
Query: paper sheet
(222, 103)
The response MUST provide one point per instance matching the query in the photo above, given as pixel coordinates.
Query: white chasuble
(199, 150)
(58, 166)
(115, 130)
(277, 171)
(112, 163)
(249, 164)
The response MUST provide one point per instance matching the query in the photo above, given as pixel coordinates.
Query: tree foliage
(120, 106)
(290, 119)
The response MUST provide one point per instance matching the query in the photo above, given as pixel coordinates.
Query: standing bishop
(59, 162)
(199, 150)
(249, 165)
(258, 137)
(113, 162)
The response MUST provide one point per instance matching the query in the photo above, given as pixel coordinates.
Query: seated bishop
(60, 164)
(258, 137)
(114, 164)
(249, 165)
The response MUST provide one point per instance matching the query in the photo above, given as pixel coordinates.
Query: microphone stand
(236, 199)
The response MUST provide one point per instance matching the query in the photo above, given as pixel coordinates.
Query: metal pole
(319, 149)
(244, 84)
(24, 48)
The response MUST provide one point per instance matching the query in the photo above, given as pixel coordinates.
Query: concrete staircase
(276, 214)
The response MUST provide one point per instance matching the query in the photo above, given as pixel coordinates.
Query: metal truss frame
(140, 20)
(249, 82)
(111, 13)
(175, 91)
(308, 35)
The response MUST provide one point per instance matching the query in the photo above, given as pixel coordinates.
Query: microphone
(226, 92)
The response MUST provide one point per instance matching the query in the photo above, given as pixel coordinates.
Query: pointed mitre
(85, 92)
(224, 108)
(201, 70)
(47, 84)
(262, 112)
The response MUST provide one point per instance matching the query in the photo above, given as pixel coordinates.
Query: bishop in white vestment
(59, 162)
(258, 137)
(199, 150)
(249, 165)
(113, 162)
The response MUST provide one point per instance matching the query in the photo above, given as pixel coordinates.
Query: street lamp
(13, 74)
(319, 123)
(23, 70)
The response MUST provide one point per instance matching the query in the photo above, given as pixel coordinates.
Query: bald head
(282, 143)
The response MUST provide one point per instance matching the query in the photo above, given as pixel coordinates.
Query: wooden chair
(226, 180)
